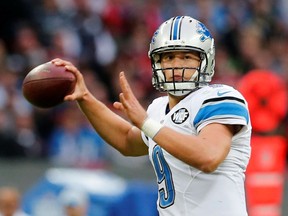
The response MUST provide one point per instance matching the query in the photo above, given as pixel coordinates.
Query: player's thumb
(69, 98)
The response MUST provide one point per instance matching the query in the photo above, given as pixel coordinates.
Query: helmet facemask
(182, 86)
(174, 87)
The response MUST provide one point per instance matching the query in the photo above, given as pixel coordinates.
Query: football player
(197, 136)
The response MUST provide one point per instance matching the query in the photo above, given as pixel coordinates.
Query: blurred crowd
(104, 37)
(10, 202)
(71, 201)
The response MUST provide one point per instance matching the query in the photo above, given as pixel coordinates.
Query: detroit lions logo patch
(205, 34)
(180, 116)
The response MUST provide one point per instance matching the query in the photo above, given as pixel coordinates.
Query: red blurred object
(265, 178)
(267, 99)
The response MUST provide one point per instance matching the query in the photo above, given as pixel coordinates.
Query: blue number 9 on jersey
(163, 173)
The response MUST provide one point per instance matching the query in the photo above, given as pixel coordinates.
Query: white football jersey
(185, 190)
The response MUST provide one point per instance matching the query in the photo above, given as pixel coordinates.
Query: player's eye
(189, 56)
(167, 57)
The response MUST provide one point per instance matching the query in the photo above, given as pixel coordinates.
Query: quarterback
(197, 136)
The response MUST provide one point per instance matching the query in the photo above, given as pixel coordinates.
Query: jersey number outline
(163, 173)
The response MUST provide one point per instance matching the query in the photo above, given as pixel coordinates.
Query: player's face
(179, 60)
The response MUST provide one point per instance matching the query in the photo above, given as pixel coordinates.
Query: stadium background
(103, 37)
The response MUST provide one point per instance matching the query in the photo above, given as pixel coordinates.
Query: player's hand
(129, 104)
(80, 88)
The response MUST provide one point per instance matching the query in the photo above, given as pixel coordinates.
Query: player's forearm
(196, 151)
(111, 127)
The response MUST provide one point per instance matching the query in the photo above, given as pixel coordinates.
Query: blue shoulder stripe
(221, 110)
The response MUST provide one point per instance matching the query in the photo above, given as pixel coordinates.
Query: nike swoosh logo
(222, 93)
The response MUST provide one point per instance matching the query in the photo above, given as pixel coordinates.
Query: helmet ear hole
(202, 56)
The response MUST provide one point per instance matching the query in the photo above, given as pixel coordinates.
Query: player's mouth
(177, 78)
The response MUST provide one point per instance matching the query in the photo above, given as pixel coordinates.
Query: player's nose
(178, 73)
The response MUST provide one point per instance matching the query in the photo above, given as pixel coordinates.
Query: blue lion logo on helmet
(205, 34)
(154, 36)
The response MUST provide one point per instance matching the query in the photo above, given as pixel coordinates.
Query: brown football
(46, 85)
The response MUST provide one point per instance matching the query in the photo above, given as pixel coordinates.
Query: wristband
(150, 127)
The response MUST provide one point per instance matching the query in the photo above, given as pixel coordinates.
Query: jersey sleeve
(229, 108)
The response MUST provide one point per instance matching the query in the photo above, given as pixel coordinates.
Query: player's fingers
(75, 71)
(125, 85)
(60, 62)
(72, 69)
(122, 99)
(125, 102)
(117, 105)
(77, 94)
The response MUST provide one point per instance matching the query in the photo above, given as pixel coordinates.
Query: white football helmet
(182, 33)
